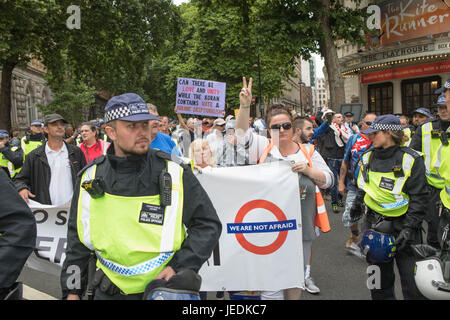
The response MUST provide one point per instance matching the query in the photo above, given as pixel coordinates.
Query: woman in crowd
(201, 154)
(91, 146)
(282, 147)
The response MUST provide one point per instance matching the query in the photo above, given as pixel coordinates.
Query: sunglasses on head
(285, 126)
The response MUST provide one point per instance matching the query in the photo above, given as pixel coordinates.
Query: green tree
(307, 26)
(218, 41)
(25, 28)
(111, 51)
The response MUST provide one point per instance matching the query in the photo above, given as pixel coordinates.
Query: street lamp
(300, 85)
(259, 84)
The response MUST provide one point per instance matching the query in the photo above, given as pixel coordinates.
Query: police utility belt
(379, 222)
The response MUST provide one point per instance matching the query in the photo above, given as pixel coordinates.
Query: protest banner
(51, 240)
(200, 97)
(260, 247)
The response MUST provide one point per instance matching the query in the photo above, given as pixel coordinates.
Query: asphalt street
(338, 274)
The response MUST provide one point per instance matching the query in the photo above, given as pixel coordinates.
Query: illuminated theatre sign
(401, 20)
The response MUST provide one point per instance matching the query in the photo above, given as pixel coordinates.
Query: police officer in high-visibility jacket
(440, 166)
(131, 208)
(392, 182)
(441, 161)
(427, 139)
(34, 140)
(11, 158)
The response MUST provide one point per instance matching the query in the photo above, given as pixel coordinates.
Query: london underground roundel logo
(281, 225)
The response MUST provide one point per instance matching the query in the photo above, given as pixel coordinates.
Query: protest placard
(200, 97)
(51, 240)
(260, 247)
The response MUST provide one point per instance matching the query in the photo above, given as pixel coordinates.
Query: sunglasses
(285, 126)
(369, 123)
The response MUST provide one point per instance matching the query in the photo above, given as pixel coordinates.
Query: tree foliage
(111, 51)
(219, 42)
(71, 100)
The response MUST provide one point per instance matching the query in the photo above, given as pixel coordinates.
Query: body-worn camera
(398, 171)
(95, 187)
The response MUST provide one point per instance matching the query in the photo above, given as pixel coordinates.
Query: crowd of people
(380, 172)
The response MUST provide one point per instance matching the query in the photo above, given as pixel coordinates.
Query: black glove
(358, 207)
(405, 237)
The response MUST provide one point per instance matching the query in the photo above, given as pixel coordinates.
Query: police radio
(444, 138)
(165, 188)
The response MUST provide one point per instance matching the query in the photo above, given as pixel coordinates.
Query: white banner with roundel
(260, 247)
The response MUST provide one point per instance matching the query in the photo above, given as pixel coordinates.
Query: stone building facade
(28, 90)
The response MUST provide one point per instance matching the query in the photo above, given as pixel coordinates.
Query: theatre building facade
(403, 62)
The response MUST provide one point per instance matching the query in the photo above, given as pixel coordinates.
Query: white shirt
(61, 188)
(215, 141)
(256, 144)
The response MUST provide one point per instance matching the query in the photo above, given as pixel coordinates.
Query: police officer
(392, 181)
(440, 166)
(11, 158)
(17, 237)
(427, 139)
(349, 124)
(33, 140)
(129, 207)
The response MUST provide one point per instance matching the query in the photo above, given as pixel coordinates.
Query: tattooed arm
(342, 174)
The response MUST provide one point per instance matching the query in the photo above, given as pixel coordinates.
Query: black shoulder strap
(167, 156)
(95, 161)
(411, 152)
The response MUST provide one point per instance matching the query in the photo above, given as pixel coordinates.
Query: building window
(417, 93)
(380, 98)
(30, 106)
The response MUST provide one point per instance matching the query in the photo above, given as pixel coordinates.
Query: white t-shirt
(61, 187)
(256, 144)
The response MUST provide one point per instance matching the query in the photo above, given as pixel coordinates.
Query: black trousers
(405, 262)
(99, 295)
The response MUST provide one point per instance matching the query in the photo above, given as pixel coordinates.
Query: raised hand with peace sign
(245, 96)
(245, 99)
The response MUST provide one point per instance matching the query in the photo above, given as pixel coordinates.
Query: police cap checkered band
(129, 107)
(386, 122)
(386, 127)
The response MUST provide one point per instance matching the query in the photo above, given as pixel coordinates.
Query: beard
(305, 138)
(134, 150)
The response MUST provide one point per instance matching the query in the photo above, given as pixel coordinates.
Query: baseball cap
(229, 117)
(446, 86)
(219, 122)
(231, 124)
(50, 118)
(4, 134)
(349, 114)
(36, 123)
(423, 111)
(127, 107)
(384, 123)
(441, 100)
